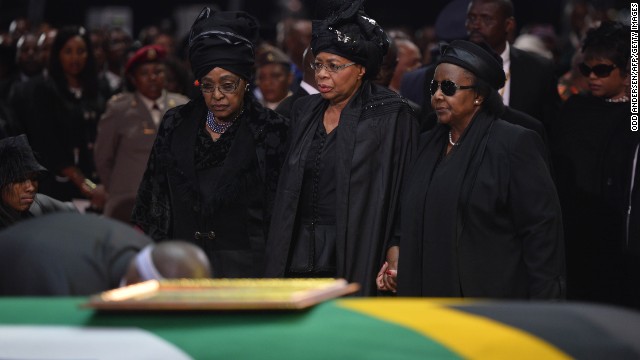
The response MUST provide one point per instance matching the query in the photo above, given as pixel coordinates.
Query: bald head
(179, 259)
(169, 260)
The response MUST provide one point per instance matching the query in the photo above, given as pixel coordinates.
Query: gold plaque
(222, 294)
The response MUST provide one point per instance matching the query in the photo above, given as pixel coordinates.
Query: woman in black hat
(19, 175)
(350, 148)
(480, 215)
(213, 169)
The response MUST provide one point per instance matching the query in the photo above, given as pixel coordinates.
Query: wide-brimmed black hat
(223, 39)
(473, 57)
(17, 160)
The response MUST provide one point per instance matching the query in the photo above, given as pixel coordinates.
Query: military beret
(146, 54)
(269, 54)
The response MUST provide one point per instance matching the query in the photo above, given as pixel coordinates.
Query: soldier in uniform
(127, 129)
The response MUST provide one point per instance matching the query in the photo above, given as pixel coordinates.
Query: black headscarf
(17, 160)
(223, 39)
(476, 59)
(349, 33)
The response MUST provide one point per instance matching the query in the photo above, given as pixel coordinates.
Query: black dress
(62, 128)
(314, 246)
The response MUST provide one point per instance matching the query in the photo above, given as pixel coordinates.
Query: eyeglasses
(448, 87)
(225, 88)
(601, 70)
(330, 67)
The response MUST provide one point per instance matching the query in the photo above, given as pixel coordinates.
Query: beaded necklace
(220, 127)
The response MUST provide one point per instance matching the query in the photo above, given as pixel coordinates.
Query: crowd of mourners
(497, 163)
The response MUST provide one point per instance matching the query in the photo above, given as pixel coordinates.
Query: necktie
(156, 113)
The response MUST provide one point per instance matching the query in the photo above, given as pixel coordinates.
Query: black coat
(376, 141)
(61, 130)
(594, 149)
(226, 214)
(483, 222)
(66, 254)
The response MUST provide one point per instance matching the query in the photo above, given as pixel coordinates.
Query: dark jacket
(375, 142)
(594, 151)
(66, 254)
(485, 220)
(228, 216)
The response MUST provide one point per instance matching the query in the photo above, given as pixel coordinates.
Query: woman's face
(458, 109)
(274, 80)
(337, 86)
(20, 195)
(612, 86)
(149, 79)
(223, 92)
(73, 56)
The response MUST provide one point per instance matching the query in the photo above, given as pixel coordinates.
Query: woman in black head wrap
(340, 184)
(213, 169)
(480, 216)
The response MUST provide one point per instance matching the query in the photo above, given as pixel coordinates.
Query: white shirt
(506, 66)
(156, 113)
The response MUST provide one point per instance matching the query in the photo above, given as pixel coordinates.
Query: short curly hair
(612, 41)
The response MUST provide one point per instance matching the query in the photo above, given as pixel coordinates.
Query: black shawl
(376, 141)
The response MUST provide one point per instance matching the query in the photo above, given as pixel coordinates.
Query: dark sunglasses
(448, 87)
(601, 70)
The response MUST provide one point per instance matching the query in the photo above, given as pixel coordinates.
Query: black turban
(349, 33)
(480, 61)
(223, 39)
(17, 160)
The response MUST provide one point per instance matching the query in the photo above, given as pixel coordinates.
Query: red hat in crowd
(146, 54)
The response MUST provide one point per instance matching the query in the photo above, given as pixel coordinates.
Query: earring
(246, 88)
(477, 102)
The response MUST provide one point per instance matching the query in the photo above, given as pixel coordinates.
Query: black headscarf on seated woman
(462, 227)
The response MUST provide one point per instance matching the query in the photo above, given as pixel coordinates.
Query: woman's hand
(387, 276)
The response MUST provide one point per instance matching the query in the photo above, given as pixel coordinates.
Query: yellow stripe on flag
(471, 336)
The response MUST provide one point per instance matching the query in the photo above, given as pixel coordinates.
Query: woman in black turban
(213, 169)
(480, 215)
(340, 183)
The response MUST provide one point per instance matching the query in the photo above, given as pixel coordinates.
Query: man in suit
(531, 85)
(73, 254)
(127, 129)
(307, 85)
